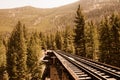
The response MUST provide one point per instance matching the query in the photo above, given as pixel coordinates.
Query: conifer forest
(88, 35)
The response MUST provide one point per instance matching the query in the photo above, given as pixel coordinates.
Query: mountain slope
(56, 18)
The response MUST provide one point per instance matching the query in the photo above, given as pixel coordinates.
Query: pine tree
(110, 42)
(49, 42)
(79, 34)
(89, 40)
(34, 54)
(105, 41)
(16, 54)
(25, 31)
(115, 41)
(68, 40)
(54, 45)
(43, 40)
(2, 53)
(59, 40)
(52, 41)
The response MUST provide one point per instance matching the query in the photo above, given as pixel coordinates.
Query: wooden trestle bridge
(63, 66)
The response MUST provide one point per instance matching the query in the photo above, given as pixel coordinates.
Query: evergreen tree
(105, 41)
(2, 53)
(110, 42)
(34, 55)
(43, 40)
(115, 41)
(95, 43)
(54, 45)
(16, 54)
(3, 73)
(59, 40)
(79, 34)
(25, 31)
(68, 40)
(49, 42)
(89, 40)
(52, 41)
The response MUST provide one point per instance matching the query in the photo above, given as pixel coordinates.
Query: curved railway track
(87, 69)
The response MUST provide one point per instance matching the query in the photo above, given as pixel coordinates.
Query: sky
(35, 3)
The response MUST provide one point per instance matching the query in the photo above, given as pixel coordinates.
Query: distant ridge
(56, 18)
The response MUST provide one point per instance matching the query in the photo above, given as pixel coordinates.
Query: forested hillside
(54, 18)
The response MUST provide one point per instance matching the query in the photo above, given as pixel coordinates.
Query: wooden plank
(64, 63)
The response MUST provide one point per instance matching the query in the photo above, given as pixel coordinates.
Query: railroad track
(86, 69)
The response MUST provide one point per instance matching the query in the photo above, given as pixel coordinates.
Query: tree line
(100, 42)
(23, 54)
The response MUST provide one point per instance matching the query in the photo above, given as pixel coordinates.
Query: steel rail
(87, 65)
